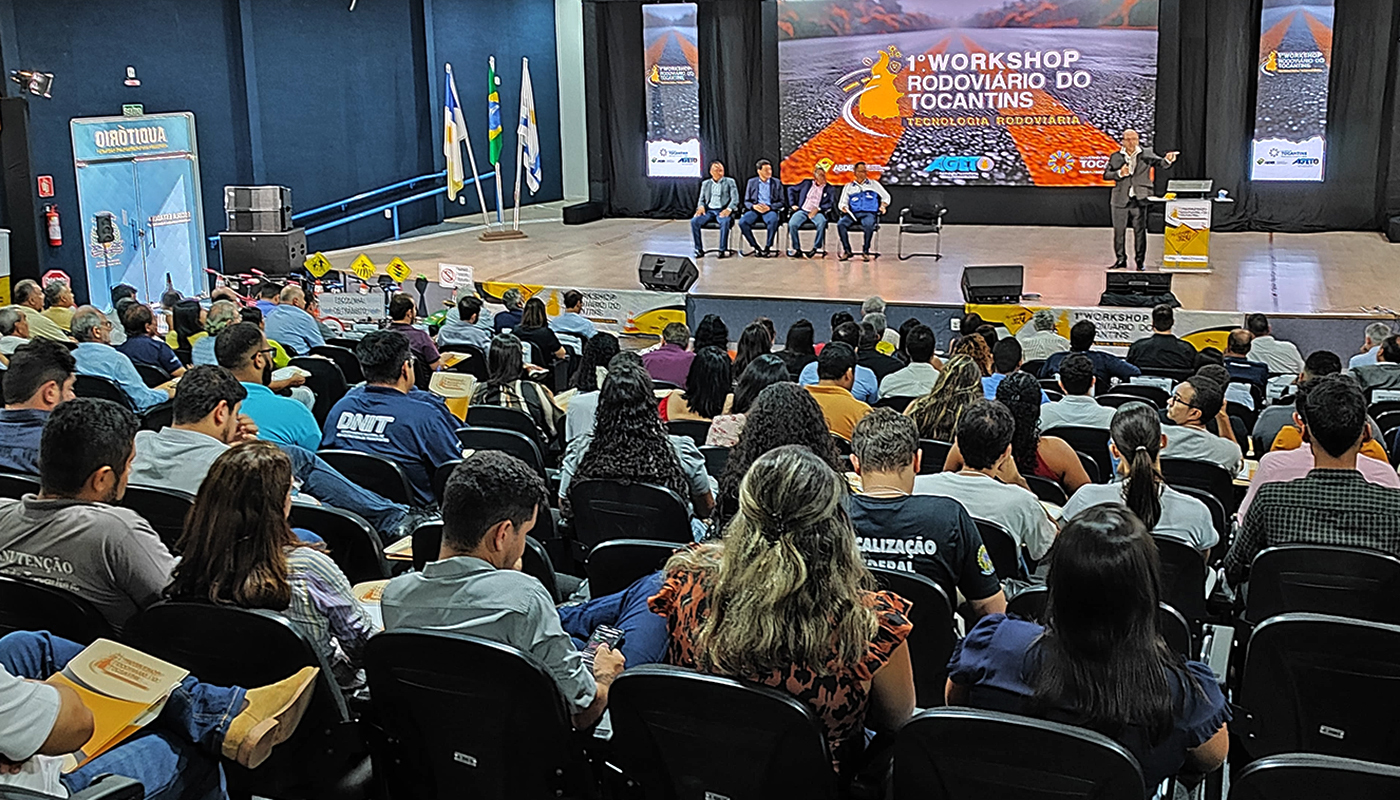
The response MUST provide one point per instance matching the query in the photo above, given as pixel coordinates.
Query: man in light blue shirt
(572, 322)
(464, 325)
(96, 356)
(867, 386)
(267, 297)
(243, 350)
(1376, 333)
(290, 325)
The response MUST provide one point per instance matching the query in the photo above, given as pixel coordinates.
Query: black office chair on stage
(924, 217)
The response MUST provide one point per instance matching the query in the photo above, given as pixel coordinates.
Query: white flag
(454, 133)
(529, 132)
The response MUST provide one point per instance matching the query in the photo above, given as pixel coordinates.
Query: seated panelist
(863, 201)
(763, 199)
(811, 200)
(719, 199)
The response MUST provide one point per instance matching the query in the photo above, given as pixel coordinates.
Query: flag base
(502, 235)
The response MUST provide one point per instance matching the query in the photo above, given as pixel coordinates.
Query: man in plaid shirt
(1333, 505)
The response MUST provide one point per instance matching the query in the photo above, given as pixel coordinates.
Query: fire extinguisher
(55, 229)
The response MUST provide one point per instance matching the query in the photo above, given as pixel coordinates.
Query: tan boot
(269, 717)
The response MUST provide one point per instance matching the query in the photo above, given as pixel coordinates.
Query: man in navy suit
(762, 199)
(813, 199)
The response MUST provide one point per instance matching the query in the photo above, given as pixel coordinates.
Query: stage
(1350, 275)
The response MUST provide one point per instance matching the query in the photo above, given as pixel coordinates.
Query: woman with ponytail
(786, 600)
(1137, 445)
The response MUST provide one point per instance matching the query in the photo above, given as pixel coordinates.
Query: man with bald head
(1130, 169)
(289, 323)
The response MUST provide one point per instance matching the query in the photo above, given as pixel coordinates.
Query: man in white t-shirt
(1077, 408)
(1194, 401)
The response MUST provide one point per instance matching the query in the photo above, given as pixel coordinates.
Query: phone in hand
(604, 634)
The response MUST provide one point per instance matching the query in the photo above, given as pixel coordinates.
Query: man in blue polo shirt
(243, 350)
(289, 322)
(96, 356)
(390, 418)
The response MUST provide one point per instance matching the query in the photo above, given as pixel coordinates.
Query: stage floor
(1322, 273)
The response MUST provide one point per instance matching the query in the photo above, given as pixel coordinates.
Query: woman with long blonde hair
(958, 385)
(786, 600)
(976, 348)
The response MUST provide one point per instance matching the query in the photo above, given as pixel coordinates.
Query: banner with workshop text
(1117, 328)
(616, 311)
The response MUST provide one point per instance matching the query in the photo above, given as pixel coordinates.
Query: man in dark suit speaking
(1130, 169)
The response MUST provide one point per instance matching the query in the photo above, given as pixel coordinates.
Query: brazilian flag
(493, 113)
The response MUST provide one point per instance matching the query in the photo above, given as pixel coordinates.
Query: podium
(1190, 208)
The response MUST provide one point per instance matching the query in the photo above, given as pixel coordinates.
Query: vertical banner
(1187, 243)
(1290, 108)
(672, 90)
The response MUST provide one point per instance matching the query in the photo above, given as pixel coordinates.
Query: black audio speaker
(581, 213)
(1144, 283)
(269, 221)
(996, 284)
(667, 273)
(273, 253)
(1393, 233)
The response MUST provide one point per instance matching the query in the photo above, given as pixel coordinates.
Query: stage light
(37, 83)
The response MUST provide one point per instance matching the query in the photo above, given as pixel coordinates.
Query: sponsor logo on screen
(961, 164)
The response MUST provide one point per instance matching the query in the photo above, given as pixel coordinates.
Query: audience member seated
(761, 373)
(1238, 348)
(1162, 350)
(403, 315)
(571, 321)
(1195, 401)
(937, 413)
(988, 483)
(754, 341)
(465, 326)
(143, 345)
(1137, 444)
(865, 386)
(176, 755)
(896, 529)
(268, 299)
(1047, 456)
(280, 357)
(711, 332)
(783, 414)
(40, 377)
(1107, 367)
(1282, 358)
(889, 338)
(1042, 341)
(1385, 373)
(290, 324)
(629, 443)
(222, 313)
(1376, 333)
(976, 348)
(782, 601)
(671, 361)
(475, 586)
(1006, 359)
(388, 416)
(836, 368)
(1275, 429)
(838, 319)
(238, 550)
(534, 328)
(509, 319)
(189, 318)
(919, 378)
(1078, 407)
(208, 419)
(583, 396)
(798, 349)
(507, 386)
(868, 354)
(707, 388)
(58, 303)
(1335, 504)
(313, 307)
(72, 535)
(14, 330)
(95, 356)
(29, 299)
(1210, 364)
(1099, 661)
(243, 350)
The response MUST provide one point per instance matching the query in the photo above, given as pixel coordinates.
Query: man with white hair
(1376, 333)
(1039, 340)
(58, 303)
(875, 304)
(14, 330)
(510, 318)
(96, 356)
(29, 299)
(289, 323)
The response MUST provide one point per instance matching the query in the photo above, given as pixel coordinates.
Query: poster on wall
(672, 90)
(1290, 106)
(964, 92)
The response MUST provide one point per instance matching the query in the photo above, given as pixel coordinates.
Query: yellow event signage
(318, 265)
(363, 267)
(398, 270)
(1187, 241)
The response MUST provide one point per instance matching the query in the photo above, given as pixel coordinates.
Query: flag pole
(471, 157)
(519, 143)
(498, 130)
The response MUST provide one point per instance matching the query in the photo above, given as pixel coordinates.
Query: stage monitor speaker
(1139, 283)
(667, 273)
(1393, 233)
(991, 285)
(581, 213)
(277, 254)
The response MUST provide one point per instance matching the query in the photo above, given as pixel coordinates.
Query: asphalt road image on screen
(964, 92)
(1290, 110)
(673, 93)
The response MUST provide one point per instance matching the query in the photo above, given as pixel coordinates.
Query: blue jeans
(645, 642)
(770, 221)
(323, 482)
(696, 223)
(866, 220)
(176, 756)
(795, 224)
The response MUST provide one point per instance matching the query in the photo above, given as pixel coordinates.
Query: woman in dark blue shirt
(1099, 661)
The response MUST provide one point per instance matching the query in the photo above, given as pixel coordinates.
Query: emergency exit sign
(133, 110)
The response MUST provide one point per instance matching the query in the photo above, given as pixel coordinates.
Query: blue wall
(342, 101)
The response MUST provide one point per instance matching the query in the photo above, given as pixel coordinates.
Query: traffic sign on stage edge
(398, 270)
(318, 265)
(363, 267)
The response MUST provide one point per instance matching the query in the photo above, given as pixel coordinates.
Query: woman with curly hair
(1044, 456)
(784, 413)
(582, 399)
(958, 385)
(629, 444)
(755, 341)
(787, 601)
(977, 349)
(707, 388)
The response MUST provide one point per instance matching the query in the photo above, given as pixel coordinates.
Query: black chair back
(344, 358)
(1006, 556)
(1047, 490)
(843, 445)
(605, 510)
(1183, 579)
(1117, 400)
(427, 542)
(1053, 395)
(105, 787)
(715, 459)
(1202, 475)
(614, 565)
(473, 363)
(326, 380)
(967, 754)
(536, 563)
(1176, 375)
(897, 403)
(933, 637)
(347, 344)
(935, 455)
(161, 415)
(151, 375)
(1030, 604)
(468, 717)
(1313, 683)
(694, 429)
(738, 740)
(1345, 581)
(520, 445)
(1304, 776)
(1091, 468)
(164, 509)
(441, 474)
(32, 606)
(350, 541)
(1218, 518)
(506, 419)
(1154, 395)
(14, 486)
(665, 385)
(1092, 442)
(1033, 367)
(102, 389)
(371, 473)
